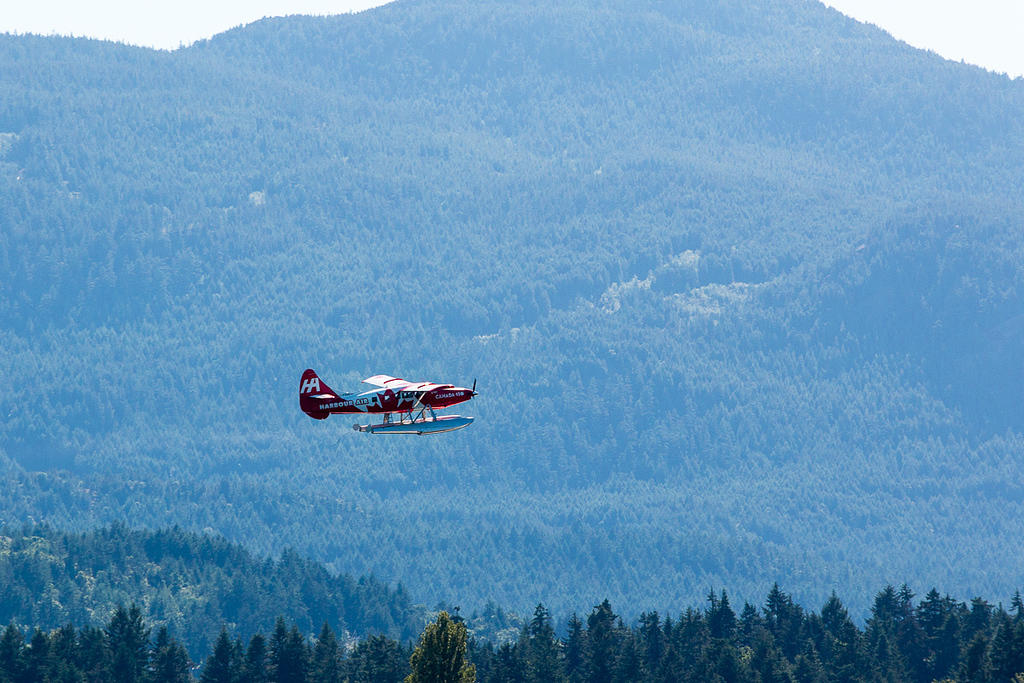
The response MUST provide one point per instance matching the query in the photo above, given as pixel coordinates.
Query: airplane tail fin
(312, 393)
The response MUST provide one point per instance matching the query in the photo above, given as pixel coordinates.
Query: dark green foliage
(653, 642)
(193, 583)
(541, 650)
(602, 643)
(575, 651)
(325, 663)
(255, 667)
(721, 618)
(11, 643)
(92, 658)
(169, 662)
(288, 655)
(784, 620)
(741, 282)
(689, 650)
(808, 667)
(503, 666)
(127, 640)
(604, 649)
(840, 642)
(378, 659)
(121, 651)
(37, 661)
(222, 665)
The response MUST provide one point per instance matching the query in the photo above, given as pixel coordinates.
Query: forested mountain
(740, 282)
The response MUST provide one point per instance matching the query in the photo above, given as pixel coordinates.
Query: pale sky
(989, 33)
(163, 24)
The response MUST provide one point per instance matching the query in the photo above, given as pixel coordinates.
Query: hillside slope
(193, 584)
(740, 286)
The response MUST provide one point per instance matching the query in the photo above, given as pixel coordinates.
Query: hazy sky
(989, 33)
(163, 24)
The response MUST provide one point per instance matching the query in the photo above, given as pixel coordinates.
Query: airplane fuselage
(388, 401)
(318, 400)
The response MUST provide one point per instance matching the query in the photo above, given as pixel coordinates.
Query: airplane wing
(426, 386)
(396, 384)
(386, 382)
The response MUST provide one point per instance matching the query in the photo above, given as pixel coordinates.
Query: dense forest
(740, 283)
(936, 639)
(191, 584)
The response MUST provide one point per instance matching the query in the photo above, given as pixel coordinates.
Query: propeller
(473, 390)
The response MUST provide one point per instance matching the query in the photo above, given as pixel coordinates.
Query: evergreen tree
(127, 641)
(977, 620)
(170, 662)
(652, 639)
(64, 651)
(1003, 656)
(931, 614)
(946, 649)
(629, 659)
(221, 666)
(508, 665)
(784, 620)
(767, 661)
(672, 668)
(326, 665)
(1017, 605)
(440, 656)
(751, 625)
(841, 652)
(37, 662)
(910, 639)
(299, 655)
(887, 665)
(256, 668)
(541, 650)
(482, 654)
(881, 635)
(288, 656)
(692, 642)
(973, 664)
(601, 644)
(940, 626)
(277, 655)
(575, 651)
(721, 618)
(883, 614)
(808, 667)
(64, 643)
(10, 653)
(378, 659)
(93, 655)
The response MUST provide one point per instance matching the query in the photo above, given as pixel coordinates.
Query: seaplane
(406, 407)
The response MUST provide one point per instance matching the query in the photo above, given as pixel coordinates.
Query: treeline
(126, 650)
(189, 583)
(121, 651)
(935, 639)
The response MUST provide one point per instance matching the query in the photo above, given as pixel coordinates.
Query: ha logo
(310, 385)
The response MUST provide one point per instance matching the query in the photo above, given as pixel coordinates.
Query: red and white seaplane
(407, 407)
